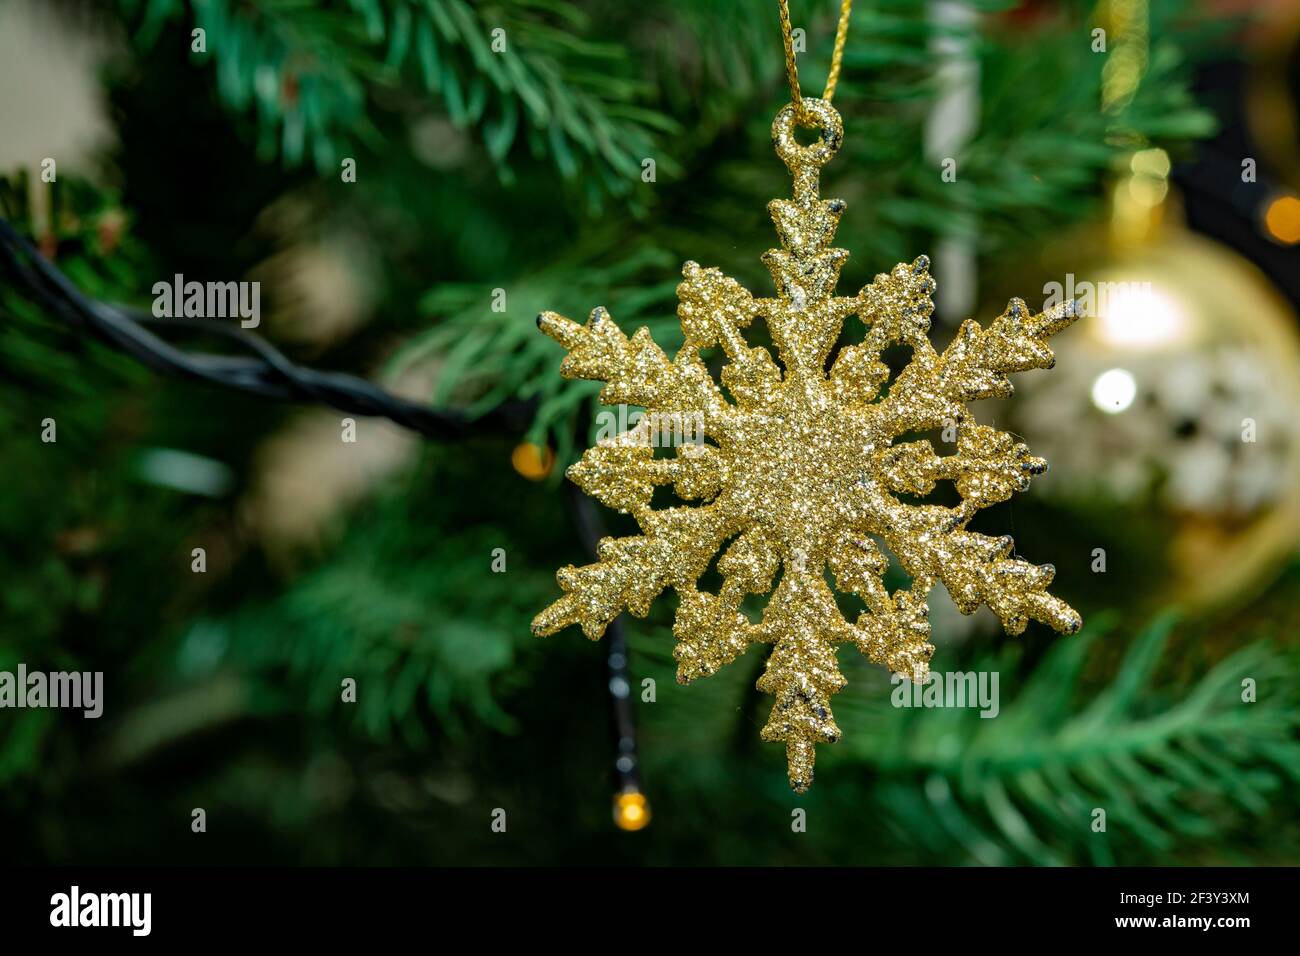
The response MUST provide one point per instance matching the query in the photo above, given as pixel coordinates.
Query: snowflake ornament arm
(803, 471)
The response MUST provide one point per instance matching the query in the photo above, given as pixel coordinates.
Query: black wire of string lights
(631, 811)
(267, 373)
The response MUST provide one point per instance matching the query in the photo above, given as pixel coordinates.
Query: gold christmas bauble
(1180, 394)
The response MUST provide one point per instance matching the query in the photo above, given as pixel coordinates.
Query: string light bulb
(1282, 219)
(631, 811)
(534, 462)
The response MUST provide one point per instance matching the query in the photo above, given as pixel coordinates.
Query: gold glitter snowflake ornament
(805, 469)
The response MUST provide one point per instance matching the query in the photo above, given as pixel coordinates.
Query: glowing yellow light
(1133, 314)
(1282, 219)
(631, 812)
(534, 462)
(1114, 390)
(1150, 162)
(1148, 192)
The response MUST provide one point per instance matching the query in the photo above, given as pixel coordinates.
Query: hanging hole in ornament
(790, 127)
(807, 134)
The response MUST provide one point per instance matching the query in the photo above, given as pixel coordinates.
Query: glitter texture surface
(802, 470)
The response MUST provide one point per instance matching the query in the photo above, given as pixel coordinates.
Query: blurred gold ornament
(804, 470)
(631, 811)
(534, 462)
(1180, 393)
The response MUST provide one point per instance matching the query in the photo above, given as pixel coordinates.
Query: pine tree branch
(506, 71)
(1024, 786)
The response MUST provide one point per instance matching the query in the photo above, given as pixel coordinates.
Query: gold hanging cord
(841, 31)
